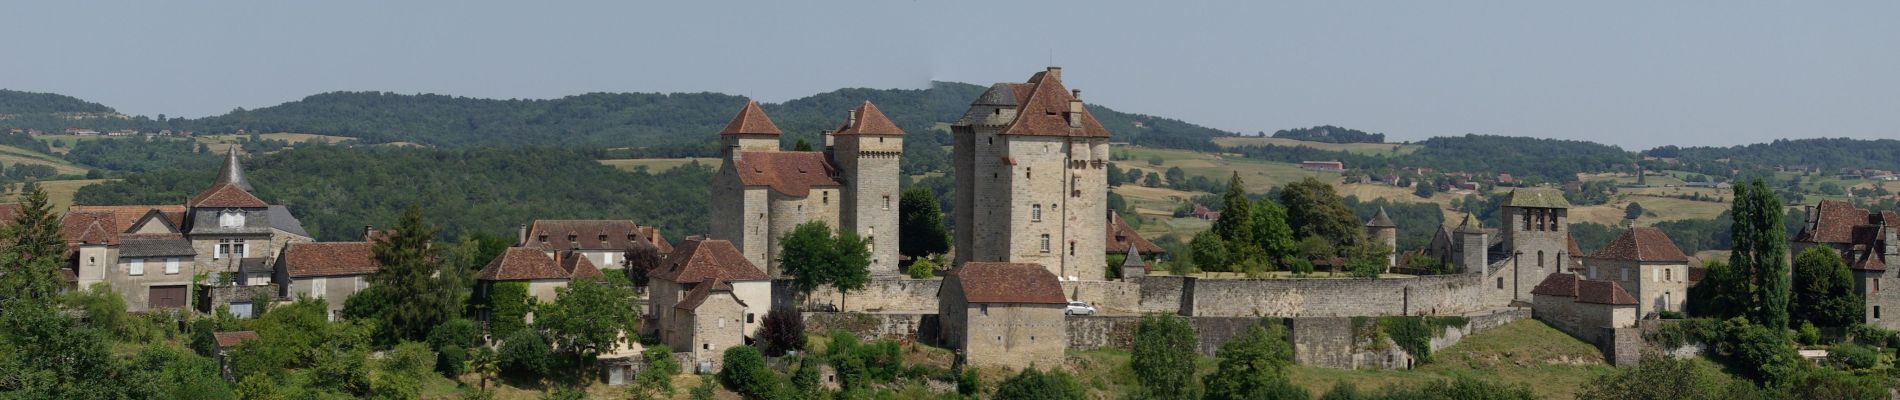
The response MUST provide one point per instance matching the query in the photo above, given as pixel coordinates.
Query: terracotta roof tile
(999, 282)
(578, 266)
(792, 173)
(89, 228)
(229, 339)
(1642, 244)
(751, 120)
(701, 261)
(329, 259)
(1603, 292)
(1562, 284)
(128, 216)
(1575, 252)
(623, 235)
(225, 196)
(1833, 223)
(870, 121)
(521, 264)
(1044, 107)
(1120, 236)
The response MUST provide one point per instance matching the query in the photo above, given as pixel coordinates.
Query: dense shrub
(525, 353)
(1853, 356)
(782, 330)
(451, 360)
(1036, 385)
(744, 372)
(461, 332)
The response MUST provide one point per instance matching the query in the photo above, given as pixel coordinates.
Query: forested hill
(602, 120)
(1827, 153)
(18, 102)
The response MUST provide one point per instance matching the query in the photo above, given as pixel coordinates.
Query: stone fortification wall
(1317, 341)
(913, 327)
(1426, 295)
(1108, 297)
(879, 296)
(1119, 332)
(1162, 294)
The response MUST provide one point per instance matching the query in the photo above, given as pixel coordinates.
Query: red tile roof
(1043, 109)
(89, 228)
(702, 291)
(129, 215)
(1575, 252)
(521, 264)
(329, 259)
(578, 266)
(792, 173)
(1120, 236)
(1565, 284)
(587, 235)
(870, 121)
(1562, 284)
(225, 196)
(1000, 282)
(228, 339)
(704, 261)
(1642, 244)
(1833, 223)
(751, 120)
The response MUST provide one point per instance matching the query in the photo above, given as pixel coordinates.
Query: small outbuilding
(998, 314)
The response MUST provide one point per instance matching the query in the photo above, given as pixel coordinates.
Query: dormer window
(603, 238)
(542, 238)
(571, 238)
(230, 219)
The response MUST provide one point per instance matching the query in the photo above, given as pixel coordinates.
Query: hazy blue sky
(1636, 74)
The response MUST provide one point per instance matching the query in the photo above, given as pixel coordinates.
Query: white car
(1079, 308)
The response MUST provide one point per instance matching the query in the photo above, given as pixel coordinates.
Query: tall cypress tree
(34, 251)
(408, 295)
(1236, 220)
(1760, 250)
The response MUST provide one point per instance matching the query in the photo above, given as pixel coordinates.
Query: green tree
(1271, 231)
(1424, 190)
(1152, 180)
(410, 293)
(744, 371)
(525, 353)
(1666, 378)
(1254, 366)
(1032, 384)
(485, 364)
(1236, 222)
(588, 317)
(656, 380)
(1210, 252)
(1315, 209)
(29, 266)
(1823, 291)
(814, 257)
(1760, 248)
(1634, 211)
(920, 224)
(1164, 356)
(1723, 293)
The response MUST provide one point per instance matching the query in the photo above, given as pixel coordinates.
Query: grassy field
(10, 155)
(657, 165)
(58, 193)
(1377, 149)
(1258, 175)
(1526, 352)
(64, 143)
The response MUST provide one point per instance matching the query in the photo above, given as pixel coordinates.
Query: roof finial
(232, 172)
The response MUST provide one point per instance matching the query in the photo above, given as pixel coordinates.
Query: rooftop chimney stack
(1053, 72)
(1075, 110)
(853, 121)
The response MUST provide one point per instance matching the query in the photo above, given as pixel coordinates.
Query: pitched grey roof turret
(1380, 220)
(1133, 259)
(232, 172)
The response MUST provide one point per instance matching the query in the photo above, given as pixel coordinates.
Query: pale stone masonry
(1003, 315)
(1869, 242)
(1645, 261)
(761, 193)
(1031, 167)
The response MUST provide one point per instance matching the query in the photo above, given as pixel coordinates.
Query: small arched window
(1035, 213)
(1540, 259)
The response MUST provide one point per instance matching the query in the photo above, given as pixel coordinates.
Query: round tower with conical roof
(1381, 230)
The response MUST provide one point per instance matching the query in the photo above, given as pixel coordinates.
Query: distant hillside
(1330, 134)
(1829, 154)
(1551, 160)
(18, 102)
(684, 122)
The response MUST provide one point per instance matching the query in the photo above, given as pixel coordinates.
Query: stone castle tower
(761, 193)
(866, 149)
(1031, 179)
(1381, 230)
(1537, 232)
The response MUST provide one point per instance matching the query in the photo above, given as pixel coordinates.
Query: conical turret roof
(232, 172)
(751, 120)
(867, 120)
(1380, 220)
(1470, 225)
(1133, 259)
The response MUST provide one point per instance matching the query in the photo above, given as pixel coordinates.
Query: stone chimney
(1075, 108)
(852, 120)
(368, 232)
(1053, 72)
(521, 235)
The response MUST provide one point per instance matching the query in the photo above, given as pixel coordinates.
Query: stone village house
(603, 242)
(1585, 308)
(707, 297)
(150, 253)
(1003, 315)
(539, 271)
(1644, 260)
(1869, 242)
(332, 271)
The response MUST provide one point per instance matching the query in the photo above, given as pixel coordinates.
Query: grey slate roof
(281, 219)
(1380, 220)
(255, 265)
(1133, 259)
(998, 95)
(156, 248)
